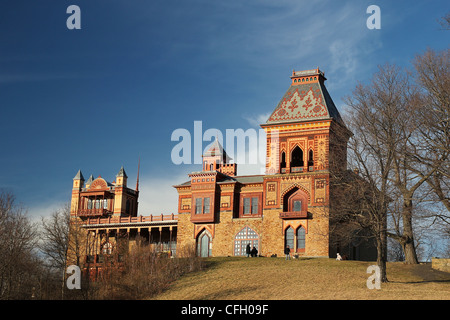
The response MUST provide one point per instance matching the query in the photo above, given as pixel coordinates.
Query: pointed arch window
(310, 159)
(301, 236)
(244, 237)
(297, 159)
(289, 238)
(295, 239)
(204, 244)
(283, 162)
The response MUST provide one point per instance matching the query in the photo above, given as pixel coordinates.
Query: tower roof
(306, 99)
(122, 173)
(79, 176)
(216, 150)
(91, 178)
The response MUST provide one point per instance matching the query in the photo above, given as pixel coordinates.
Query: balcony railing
(294, 215)
(297, 169)
(93, 212)
(119, 220)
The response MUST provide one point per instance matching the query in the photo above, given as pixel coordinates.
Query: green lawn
(299, 279)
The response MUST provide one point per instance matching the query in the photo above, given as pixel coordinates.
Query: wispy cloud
(255, 120)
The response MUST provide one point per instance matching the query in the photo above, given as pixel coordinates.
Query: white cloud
(44, 210)
(158, 196)
(257, 119)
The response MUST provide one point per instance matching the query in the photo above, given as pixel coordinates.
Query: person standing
(287, 252)
(247, 250)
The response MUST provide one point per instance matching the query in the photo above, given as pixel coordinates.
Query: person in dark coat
(254, 252)
(247, 250)
(287, 252)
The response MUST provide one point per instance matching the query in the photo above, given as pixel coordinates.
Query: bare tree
(55, 237)
(386, 134)
(433, 123)
(19, 264)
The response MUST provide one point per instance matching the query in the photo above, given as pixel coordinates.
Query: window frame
(250, 205)
(201, 206)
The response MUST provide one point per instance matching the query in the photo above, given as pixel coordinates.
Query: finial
(137, 179)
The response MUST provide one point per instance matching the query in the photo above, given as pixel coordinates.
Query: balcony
(202, 218)
(93, 212)
(294, 214)
(137, 220)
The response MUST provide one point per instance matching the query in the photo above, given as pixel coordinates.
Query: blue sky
(101, 97)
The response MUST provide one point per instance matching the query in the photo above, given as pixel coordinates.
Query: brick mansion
(219, 211)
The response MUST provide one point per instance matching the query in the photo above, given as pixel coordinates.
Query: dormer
(216, 159)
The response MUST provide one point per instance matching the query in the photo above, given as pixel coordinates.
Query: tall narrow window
(206, 205)
(204, 244)
(289, 238)
(300, 239)
(283, 162)
(254, 205)
(198, 205)
(310, 158)
(246, 205)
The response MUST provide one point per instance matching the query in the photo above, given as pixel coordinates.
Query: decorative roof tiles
(306, 99)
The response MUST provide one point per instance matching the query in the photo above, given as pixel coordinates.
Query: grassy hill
(299, 279)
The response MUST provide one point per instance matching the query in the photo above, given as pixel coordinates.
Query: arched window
(295, 200)
(204, 244)
(310, 160)
(301, 239)
(283, 162)
(244, 237)
(297, 157)
(289, 238)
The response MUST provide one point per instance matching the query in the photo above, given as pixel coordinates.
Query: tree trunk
(407, 240)
(381, 241)
(409, 250)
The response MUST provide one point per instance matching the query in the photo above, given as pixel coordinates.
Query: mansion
(219, 211)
